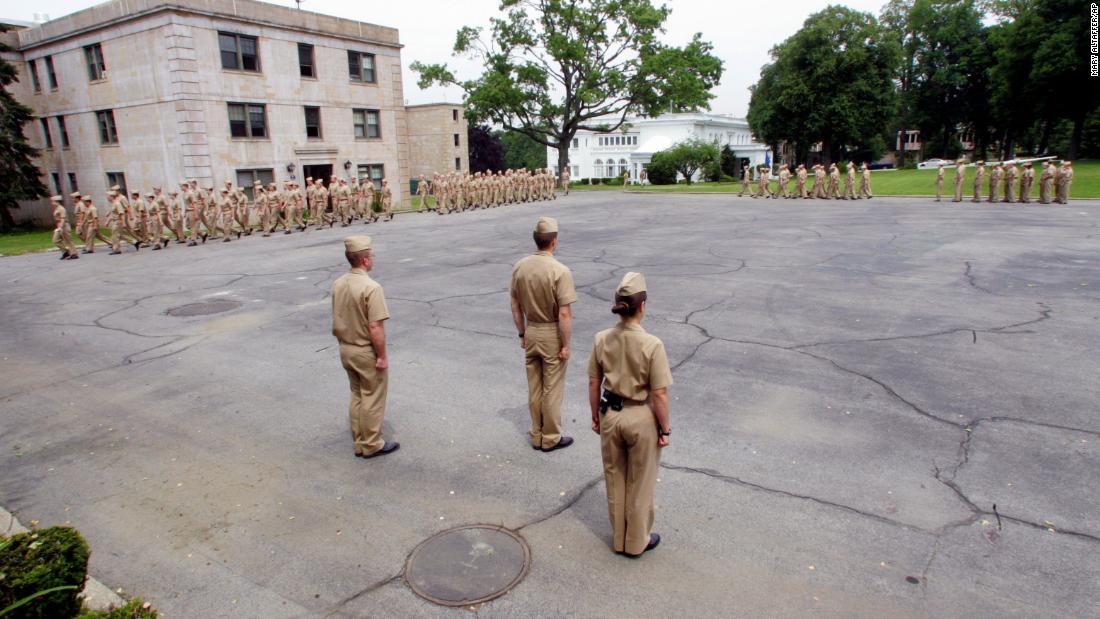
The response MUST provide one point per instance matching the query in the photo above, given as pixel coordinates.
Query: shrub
(40, 560)
(661, 170)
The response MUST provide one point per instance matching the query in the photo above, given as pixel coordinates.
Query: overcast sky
(741, 33)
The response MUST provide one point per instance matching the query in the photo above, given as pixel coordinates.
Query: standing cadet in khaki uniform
(631, 416)
(960, 172)
(565, 181)
(979, 177)
(542, 296)
(865, 182)
(1046, 182)
(1063, 179)
(358, 313)
(62, 236)
(995, 176)
(1010, 183)
(939, 182)
(1027, 178)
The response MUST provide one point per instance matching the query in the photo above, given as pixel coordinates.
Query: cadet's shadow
(520, 418)
(591, 511)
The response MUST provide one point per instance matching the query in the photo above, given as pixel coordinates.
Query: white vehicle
(929, 164)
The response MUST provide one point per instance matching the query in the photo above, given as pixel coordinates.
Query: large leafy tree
(19, 178)
(830, 83)
(554, 67)
(689, 156)
(520, 151)
(486, 151)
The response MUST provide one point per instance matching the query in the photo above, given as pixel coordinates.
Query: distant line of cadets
(1008, 183)
(193, 215)
(825, 184)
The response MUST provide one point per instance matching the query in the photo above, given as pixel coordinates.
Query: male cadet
(979, 178)
(800, 181)
(819, 182)
(1027, 179)
(320, 206)
(1010, 183)
(850, 182)
(116, 222)
(995, 176)
(342, 199)
(263, 207)
(387, 200)
(422, 194)
(960, 172)
(763, 184)
(225, 206)
(1046, 182)
(542, 294)
(62, 237)
(368, 197)
(865, 182)
(91, 225)
(1064, 178)
(141, 218)
(358, 313)
(834, 182)
(784, 182)
(156, 225)
(746, 181)
(939, 182)
(80, 213)
(565, 179)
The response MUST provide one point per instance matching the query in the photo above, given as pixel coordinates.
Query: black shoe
(157, 247)
(330, 224)
(65, 255)
(286, 231)
(204, 237)
(115, 253)
(74, 257)
(654, 541)
(192, 244)
(137, 245)
(562, 444)
(388, 448)
(238, 235)
(84, 251)
(165, 243)
(226, 240)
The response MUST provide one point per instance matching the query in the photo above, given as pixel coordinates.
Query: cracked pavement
(857, 385)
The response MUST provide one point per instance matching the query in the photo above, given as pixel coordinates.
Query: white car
(929, 164)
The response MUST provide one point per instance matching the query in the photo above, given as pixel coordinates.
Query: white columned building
(630, 149)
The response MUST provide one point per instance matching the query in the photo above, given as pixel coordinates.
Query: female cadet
(631, 416)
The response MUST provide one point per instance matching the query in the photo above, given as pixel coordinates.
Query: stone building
(437, 139)
(147, 93)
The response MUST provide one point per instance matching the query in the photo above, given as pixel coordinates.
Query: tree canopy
(687, 157)
(19, 178)
(553, 67)
(486, 150)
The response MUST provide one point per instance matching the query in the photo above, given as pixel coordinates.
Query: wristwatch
(660, 434)
(522, 334)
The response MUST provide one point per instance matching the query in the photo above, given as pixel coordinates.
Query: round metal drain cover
(467, 565)
(204, 308)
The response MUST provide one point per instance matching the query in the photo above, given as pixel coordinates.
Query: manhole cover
(467, 565)
(204, 308)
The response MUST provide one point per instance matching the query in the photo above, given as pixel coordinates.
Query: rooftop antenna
(299, 3)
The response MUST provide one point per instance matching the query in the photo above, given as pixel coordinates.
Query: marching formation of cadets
(1006, 182)
(825, 184)
(193, 215)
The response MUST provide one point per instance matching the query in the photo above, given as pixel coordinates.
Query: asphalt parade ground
(857, 384)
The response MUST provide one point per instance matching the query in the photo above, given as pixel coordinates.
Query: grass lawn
(25, 241)
(1086, 183)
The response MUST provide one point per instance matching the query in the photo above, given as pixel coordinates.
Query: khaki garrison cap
(257, 184)
(75, 194)
(55, 198)
(115, 187)
(150, 194)
(357, 243)
(87, 197)
(546, 224)
(632, 283)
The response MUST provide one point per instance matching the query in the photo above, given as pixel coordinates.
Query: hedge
(38, 561)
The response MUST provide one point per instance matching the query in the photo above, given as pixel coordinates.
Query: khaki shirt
(542, 285)
(357, 300)
(632, 362)
(60, 216)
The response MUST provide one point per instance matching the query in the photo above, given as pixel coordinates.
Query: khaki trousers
(939, 188)
(193, 226)
(63, 239)
(545, 383)
(628, 441)
(368, 397)
(958, 190)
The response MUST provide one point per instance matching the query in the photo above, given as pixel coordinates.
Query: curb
(97, 596)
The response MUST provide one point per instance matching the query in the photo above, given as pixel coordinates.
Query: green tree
(689, 156)
(19, 177)
(830, 83)
(553, 67)
(728, 163)
(520, 151)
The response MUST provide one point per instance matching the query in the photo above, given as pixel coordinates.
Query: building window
(456, 140)
(576, 142)
(93, 57)
(108, 133)
(63, 131)
(361, 67)
(247, 120)
(313, 122)
(33, 64)
(305, 61)
(46, 137)
(366, 124)
(623, 166)
(72, 182)
(238, 52)
(375, 172)
(56, 182)
(50, 74)
(117, 178)
(458, 163)
(454, 115)
(245, 178)
(599, 168)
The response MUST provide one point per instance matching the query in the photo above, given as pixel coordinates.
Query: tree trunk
(1044, 139)
(945, 142)
(826, 152)
(1075, 139)
(7, 222)
(1009, 145)
(901, 136)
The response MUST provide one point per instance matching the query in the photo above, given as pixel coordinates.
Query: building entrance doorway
(323, 172)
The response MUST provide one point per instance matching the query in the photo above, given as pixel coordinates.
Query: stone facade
(437, 139)
(170, 97)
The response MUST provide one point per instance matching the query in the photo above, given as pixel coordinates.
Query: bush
(661, 170)
(134, 609)
(40, 560)
(728, 179)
